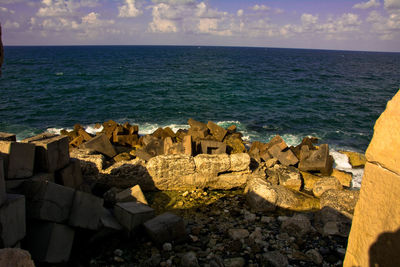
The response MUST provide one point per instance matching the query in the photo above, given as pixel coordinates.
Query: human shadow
(384, 252)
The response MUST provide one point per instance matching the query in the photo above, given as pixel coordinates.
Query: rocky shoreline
(196, 197)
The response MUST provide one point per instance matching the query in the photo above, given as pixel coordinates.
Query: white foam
(341, 162)
(92, 130)
(56, 130)
(148, 128)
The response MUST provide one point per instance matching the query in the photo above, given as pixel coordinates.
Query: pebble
(167, 247)
(118, 252)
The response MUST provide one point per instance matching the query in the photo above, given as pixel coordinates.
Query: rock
(197, 130)
(51, 153)
(12, 220)
(18, 158)
(286, 157)
(276, 141)
(49, 242)
(262, 196)
(345, 178)
(131, 194)
(166, 227)
(107, 220)
(288, 176)
(86, 211)
(235, 262)
(234, 144)
(15, 257)
(239, 162)
(299, 225)
(187, 144)
(307, 141)
(275, 259)
(316, 160)
(132, 214)
(101, 144)
(344, 201)
(196, 125)
(71, 175)
(189, 260)
(15, 186)
(91, 164)
(237, 234)
(7, 137)
(325, 184)
(143, 155)
(212, 147)
(232, 129)
(216, 131)
(331, 228)
(167, 246)
(309, 180)
(48, 201)
(357, 160)
(212, 164)
(314, 256)
(155, 147)
(163, 133)
(226, 181)
(271, 162)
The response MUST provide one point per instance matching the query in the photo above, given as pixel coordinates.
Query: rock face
(377, 213)
(184, 172)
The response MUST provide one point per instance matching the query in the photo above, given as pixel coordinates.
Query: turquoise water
(334, 95)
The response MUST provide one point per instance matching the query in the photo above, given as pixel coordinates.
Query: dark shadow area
(386, 250)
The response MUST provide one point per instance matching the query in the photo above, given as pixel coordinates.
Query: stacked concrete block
(71, 175)
(49, 242)
(7, 137)
(52, 152)
(12, 220)
(15, 186)
(18, 159)
(132, 214)
(131, 194)
(86, 211)
(101, 144)
(166, 227)
(48, 201)
(3, 195)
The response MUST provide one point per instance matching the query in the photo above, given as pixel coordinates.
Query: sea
(335, 96)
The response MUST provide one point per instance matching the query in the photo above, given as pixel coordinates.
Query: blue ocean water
(334, 95)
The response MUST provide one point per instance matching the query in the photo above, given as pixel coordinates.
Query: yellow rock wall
(375, 233)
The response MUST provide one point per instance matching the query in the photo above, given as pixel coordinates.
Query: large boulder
(343, 201)
(377, 213)
(263, 196)
(316, 160)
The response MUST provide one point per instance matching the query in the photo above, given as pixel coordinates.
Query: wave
(341, 162)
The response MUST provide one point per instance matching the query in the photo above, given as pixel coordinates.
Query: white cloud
(57, 8)
(160, 22)
(240, 12)
(392, 4)
(260, 7)
(6, 10)
(387, 28)
(368, 4)
(11, 25)
(129, 10)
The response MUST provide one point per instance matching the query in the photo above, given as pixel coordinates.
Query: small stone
(237, 234)
(189, 260)
(235, 262)
(314, 255)
(118, 259)
(250, 217)
(266, 219)
(118, 252)
(185, 194)
(167, 247)
(275, 259)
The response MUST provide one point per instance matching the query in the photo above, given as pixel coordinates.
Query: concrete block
(7, 137)
(212, 147)
(132, 214)
(15, 186)
(101, 144)
(187, 145)
(51, 153)
(18, 158)
(217, 131)
(165, 228)
(48, 201)
(131, 194)
(12, 220)
(3, 195)
(316, 160)
(49, 242)
(86, 211)
(15, 257)
(71, 175)
(107, 220)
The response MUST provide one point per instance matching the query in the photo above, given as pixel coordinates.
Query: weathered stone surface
(125, 156)
(227, 181)
(18, 158)
(212, 164)
(131, 194)
(309, 180)
(51, 153)
(132, 214)
(277, 141)
(344, 201)
(307, 141)
(275, 259)
(356, 160)
(163, 133)
(262, 196)
(155, 147)
(377, 213)
(239, 162)
(101, 144)
(47, 200)
(288, 176)
(12, 220)
(15, 257)
(7, 137)
(171, 148)
(163, 168)
(299, 225)
(187, 145)
(344, 178)
(286, 157)
(107, 220)
(196, 125)
(234, 144)
(237, 234)
(217, 131)
(143, 155)
(91, 164)
(71, 175)
(325, 184)
(166, 227)
(3, 195)
(190, 260)
(316, 160)
(86, 211)
(49, 242)
(212, 147)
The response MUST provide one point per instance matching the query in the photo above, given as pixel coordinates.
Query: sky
(371, 25)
